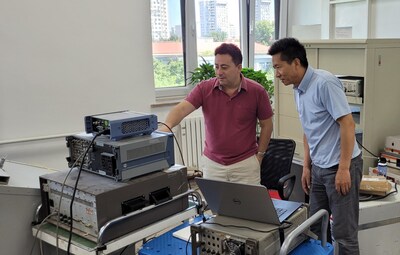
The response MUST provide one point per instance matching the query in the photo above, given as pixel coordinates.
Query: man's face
(284, 71)
(226, 71)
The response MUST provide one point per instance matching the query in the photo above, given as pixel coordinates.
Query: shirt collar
(242, 85)
(305, 82)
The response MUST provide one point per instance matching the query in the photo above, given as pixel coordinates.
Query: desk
(379, 226)
(19, 200)
(83, 246)
(168, 244)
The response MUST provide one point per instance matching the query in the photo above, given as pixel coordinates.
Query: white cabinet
(19, 200)
(378, 62)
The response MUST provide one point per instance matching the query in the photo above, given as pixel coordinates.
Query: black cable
(187, 244)
(61, 196)
(76, 185)
(367, 149)
(148, 240)
(289, 224)
(177, 144)
(123, 250)
(373, 198)
(176, 140)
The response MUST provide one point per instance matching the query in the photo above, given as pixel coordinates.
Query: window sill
(167, 101)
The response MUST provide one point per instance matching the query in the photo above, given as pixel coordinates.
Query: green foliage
(206, 71)
(168, 74)
(264, 32)
(219, 36)
(260, 77)
(174, 38)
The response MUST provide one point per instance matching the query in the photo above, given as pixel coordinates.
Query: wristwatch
(261, 153)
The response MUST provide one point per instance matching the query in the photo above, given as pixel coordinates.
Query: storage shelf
(355, 100)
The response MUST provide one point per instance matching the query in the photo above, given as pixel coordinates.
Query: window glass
(217, 21)
(264, 34)
(208, 24)
(168, 59)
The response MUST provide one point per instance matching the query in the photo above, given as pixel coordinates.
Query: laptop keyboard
(280, 211)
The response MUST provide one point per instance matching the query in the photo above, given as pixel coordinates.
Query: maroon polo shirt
(230, 123)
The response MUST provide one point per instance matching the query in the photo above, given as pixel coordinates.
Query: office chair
(275, 168)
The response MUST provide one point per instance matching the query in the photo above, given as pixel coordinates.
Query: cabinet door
(312, 57)
(342, 61)
(381, 100)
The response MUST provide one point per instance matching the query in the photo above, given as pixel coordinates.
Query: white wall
(385, 19)
(304, 17)
(63, 60)
(313, 19)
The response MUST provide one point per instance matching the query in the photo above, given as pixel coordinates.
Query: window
(167, 43)
(264, 35)
(186, 33)
(217, 21)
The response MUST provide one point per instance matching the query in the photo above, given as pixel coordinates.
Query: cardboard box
(375, 185)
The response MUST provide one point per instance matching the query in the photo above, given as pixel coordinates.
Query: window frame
(189, 41)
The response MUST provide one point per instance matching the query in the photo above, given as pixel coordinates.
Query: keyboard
(280, 211)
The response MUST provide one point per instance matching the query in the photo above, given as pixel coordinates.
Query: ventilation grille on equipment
(192, 140)
(133, 126)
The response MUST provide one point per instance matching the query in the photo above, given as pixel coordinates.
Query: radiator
(192, 136)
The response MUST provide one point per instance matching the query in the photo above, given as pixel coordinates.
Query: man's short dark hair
(290, 49)
(231, 50)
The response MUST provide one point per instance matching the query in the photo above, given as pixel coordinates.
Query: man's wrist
(261, 153)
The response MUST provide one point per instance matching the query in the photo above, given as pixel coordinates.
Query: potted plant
(205, 71)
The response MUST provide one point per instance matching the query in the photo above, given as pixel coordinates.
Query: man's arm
(347, 133)
(266, 127)
(176, 115)
(306, 176)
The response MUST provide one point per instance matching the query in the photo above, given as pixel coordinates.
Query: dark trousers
(344, 209)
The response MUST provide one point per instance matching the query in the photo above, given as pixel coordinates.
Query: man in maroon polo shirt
(231, 106)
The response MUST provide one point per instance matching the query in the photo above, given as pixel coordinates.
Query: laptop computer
(245, 201)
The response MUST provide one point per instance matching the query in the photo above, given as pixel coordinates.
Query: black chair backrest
(277, 161)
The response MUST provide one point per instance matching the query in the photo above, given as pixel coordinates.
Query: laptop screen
(244, 201)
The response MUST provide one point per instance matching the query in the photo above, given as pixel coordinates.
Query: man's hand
(306, 179)
(343, 181)
(259, 157)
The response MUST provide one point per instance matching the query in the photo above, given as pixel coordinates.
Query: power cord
(372, 197)
(176, 140)
(380, 159)
(38, 230)
(367, 149)
(104, 132)
(61, 196)
(187, 244)
(177, 144)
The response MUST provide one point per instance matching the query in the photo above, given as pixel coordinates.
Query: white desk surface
(380, 210)
(24, 175)
(19, 199)
(379, 226)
